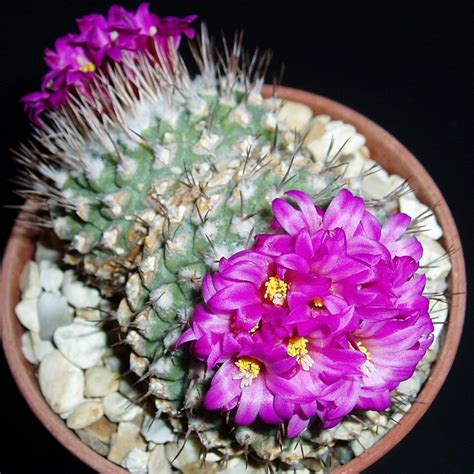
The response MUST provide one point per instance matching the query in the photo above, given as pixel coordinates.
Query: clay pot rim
(19, 249)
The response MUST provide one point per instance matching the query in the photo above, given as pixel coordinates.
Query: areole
(392, 156)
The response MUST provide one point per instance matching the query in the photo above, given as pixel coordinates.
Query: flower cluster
(101, 39)
(322, 316)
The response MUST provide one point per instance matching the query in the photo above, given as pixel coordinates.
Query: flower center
(364, 350)
(248, 366)
(89, 67)
(297, 348)
(318, 302)
(276, 290)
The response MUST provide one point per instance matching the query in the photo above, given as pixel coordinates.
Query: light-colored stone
(30, 284)
(77, 293)
(136, 461)
(239, 465)
(118, 408)
(100, 381)
(27, 312)
(61, 383)
(348, 430)
(188, 455)
(40, 348)
(363, 442)
(378, 184)
(27, 348)
(415, 208)
(51, 276)
(131, 390)
(90, 440)
(157, 430)
(439, 311)
(48, 251)
(53, 312)
(82, 342)
(85, 414)
(435, 259)
(89, 314)
(157, 463)
(344, 138)
(354, 168)
(295, 116)
(102, 429)
(124, 440)
(412, 386)
(112, 362)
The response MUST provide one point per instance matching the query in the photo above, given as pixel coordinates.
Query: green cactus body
(151, 198)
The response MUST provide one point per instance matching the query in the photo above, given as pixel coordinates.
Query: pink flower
(100, 40)
(330, 302)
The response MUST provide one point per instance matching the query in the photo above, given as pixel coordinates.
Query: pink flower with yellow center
(324, 315)
(100, 41)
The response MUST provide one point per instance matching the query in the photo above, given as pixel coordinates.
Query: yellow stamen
(89, 67)
(255, 328)
(276, 290)
(297, 347)
(364, 350)
(248, 365)
(318, 302)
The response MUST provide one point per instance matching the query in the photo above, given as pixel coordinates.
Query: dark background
(406, 66)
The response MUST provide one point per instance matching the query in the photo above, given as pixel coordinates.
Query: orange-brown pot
(387, 151)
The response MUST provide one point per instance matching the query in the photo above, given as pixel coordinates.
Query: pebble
(27, 312)
(239, 465)
(344, 138)
(118, 408)
(348, 430)
(136, 461)
(102, 429)
(48, 250)
(435, 256)
(188, 455)
(379, 184)
(82, 342)
(157, 462)
(40, 348)
(53, 312)
(89, 314)
(295, 116)
(363, 442)
(77, 293)
(157, 430)
(415, 208)
(410, 387)
(354, 167)
(27, 348)
(124, 440)
(30, 284)
(113, 362)
(51, 276)
(100, 381)
(61, 383)
(317, 128)
(94, 443)
(85, 414)
(131, 390)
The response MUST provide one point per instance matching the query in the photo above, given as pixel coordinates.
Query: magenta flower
(322, 316)
(100, 40)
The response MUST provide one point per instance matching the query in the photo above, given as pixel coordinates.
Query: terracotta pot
(385, 149)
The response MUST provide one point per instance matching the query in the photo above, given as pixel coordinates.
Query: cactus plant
(152, 176)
